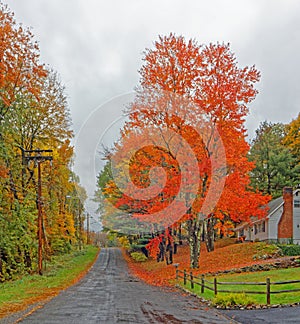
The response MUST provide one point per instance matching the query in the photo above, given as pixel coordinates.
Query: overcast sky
(96, 46)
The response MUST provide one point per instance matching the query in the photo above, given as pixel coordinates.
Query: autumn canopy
(182, 155)
(34, 116)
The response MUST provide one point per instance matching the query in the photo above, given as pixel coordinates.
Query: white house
(282, 224)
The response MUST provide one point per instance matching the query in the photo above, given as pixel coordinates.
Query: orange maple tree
(192, 101)
(20, 69)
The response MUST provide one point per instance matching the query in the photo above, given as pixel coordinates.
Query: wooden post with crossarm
(38, 156)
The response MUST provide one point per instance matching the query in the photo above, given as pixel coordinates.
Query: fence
(214, 285)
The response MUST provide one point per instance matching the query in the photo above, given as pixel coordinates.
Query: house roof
(274, 204)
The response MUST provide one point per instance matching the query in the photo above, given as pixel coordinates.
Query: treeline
(34, 116)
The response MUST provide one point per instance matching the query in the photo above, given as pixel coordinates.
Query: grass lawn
(62, 272)
(274, 275)
(226, 256)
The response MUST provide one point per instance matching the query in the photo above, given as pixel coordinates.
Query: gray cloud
(97, 47)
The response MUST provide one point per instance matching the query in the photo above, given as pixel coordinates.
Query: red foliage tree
(192, 102)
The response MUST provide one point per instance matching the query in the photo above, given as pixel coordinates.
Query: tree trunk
(27, 260)
(209, 234)
(169, 246)
(169, 253)
(162, 250)
(175, 248)
(179, 235)
(1, 270)
(194, 232)
(269, 184)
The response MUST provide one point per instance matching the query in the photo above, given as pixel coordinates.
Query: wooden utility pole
(38, 156)
(80, 226)
(88, 228)
(40, 222)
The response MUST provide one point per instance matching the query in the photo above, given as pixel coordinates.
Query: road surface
(284, 315)
(110, 294)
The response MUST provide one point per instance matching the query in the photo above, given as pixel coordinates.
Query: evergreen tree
(275, 165)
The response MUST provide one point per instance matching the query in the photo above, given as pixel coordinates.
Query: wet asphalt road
(284, 315)
(110, 294)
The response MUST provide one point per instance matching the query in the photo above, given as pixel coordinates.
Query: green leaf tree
(275, 165)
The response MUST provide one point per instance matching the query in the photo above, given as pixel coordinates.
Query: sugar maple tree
(192, 101)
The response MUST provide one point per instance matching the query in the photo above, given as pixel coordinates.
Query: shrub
(123, 240)
(61, 246)
(138, 256)
(231, 300)
(290, 249)
(267, 251)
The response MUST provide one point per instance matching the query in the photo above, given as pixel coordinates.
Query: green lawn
(63, 271)
(274, 275)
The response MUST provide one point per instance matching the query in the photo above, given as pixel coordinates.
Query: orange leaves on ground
(152, 272)
(223, 258)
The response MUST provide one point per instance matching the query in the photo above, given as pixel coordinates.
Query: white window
(296, 203)
(263, 227)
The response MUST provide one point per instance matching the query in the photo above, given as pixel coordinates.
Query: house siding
(259, 231)
(273, 222)
(262, 235)
(296, 232)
